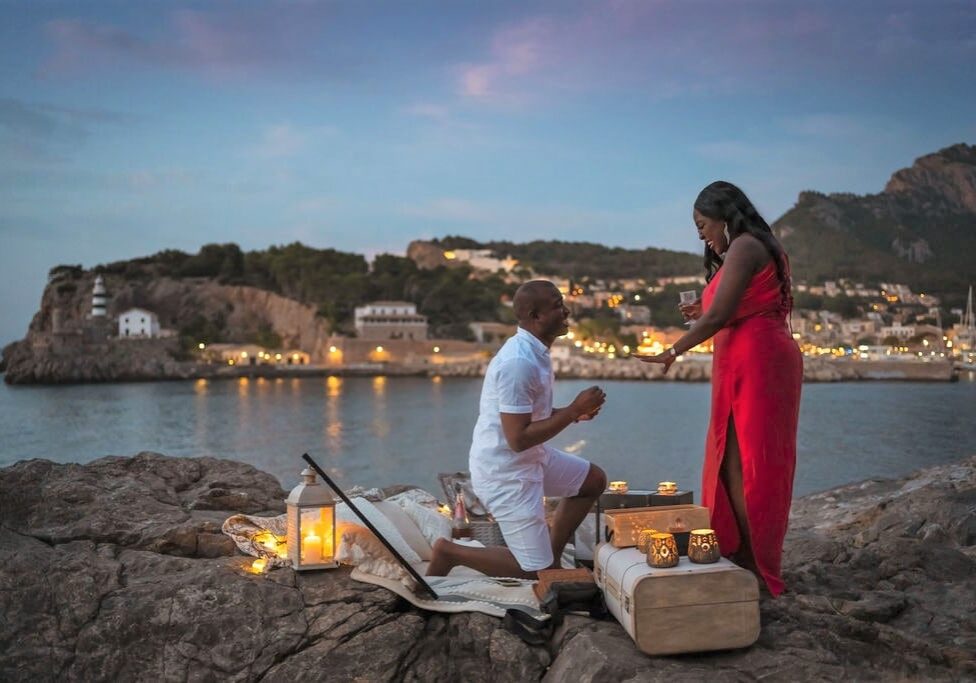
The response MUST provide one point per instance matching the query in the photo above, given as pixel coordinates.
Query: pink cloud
(668, 49)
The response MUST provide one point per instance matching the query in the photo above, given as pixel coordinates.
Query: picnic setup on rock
(656, 564)
(134, 567)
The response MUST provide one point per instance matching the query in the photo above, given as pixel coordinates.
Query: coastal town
(903, 333)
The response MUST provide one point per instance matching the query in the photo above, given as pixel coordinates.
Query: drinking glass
(688, 297)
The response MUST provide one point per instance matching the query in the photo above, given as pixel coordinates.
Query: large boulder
(117, 570)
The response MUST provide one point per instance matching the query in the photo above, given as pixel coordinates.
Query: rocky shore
(692, 369)
(151, 360)
(117, 570)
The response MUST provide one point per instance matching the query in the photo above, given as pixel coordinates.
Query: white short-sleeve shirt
(519, 379)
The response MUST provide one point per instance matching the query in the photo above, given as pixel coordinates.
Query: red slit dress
(757, 371)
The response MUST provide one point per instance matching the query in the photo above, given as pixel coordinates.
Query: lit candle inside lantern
(618, 486)
(328, 537)
(259, 565)
(667, 488)
(312, 548)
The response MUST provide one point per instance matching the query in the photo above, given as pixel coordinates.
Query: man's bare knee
(443, 548)
(595, 483)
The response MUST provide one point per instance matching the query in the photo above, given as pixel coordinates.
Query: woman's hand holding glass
(690, 306)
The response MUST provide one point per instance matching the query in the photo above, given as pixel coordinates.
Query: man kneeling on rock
(512, 467)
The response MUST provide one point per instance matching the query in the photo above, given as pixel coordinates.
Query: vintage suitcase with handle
(686, 608)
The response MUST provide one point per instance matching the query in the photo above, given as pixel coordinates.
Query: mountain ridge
(920, 229)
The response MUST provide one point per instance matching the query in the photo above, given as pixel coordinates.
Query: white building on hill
(390, 320)
(138, 323)
(481, 259)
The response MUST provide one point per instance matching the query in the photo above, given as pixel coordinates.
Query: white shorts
(517, 506)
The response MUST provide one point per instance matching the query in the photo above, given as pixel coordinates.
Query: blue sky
(130, 127)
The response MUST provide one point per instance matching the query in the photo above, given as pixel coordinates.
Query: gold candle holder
(644, 539)
(619, 487)
(663, 551)
(703, 546)
(667, 488)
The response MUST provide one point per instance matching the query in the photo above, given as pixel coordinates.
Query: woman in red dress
(757, 371)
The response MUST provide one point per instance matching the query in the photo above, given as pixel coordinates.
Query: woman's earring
(725, 230)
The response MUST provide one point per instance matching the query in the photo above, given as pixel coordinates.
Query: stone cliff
(63, 343)
(117, 570)
(949, 174)
(918, 230)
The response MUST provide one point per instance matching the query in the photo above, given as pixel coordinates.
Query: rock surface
(117, 570)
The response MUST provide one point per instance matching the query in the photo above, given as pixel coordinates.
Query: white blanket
(414, 512)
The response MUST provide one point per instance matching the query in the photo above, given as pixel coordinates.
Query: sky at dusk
(131, 127)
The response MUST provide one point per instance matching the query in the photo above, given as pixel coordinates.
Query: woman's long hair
(723, 201)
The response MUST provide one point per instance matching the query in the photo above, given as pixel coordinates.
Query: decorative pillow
(415, 495)
(407, 527)
(431, 523)
(345, 517)
(359, 547)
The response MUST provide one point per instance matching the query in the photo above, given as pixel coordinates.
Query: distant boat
(967, 335)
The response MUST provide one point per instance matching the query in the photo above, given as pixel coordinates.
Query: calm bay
(376, 431)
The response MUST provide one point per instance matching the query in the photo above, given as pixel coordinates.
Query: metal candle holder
(644, 539)
(703, 546)
(667, 488)
(663, 551)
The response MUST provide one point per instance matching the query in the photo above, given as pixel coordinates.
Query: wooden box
(611, 500)
(622, 526)
(687, 608)
(678, 498)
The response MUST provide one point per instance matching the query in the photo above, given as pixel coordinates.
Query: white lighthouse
(99, 298)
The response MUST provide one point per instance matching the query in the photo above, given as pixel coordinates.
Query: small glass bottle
(460, 524)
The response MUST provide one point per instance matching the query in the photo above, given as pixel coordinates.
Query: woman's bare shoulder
(751, 249)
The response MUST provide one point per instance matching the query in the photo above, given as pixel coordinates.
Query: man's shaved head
(532, 296)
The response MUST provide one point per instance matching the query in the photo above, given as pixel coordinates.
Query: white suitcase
(686, 608)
